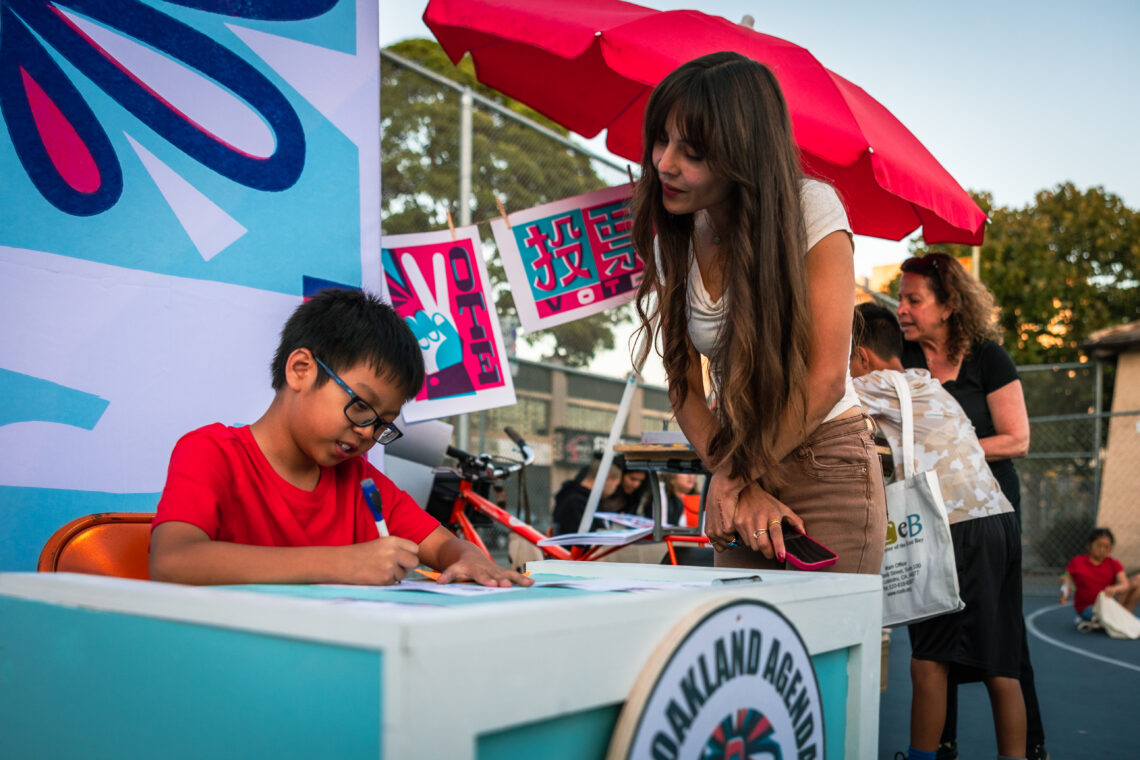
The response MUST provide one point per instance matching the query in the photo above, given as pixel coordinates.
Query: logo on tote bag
(909, 529)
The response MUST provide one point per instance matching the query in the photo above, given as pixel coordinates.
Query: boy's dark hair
(1101, 533)
(344, 328)
(877, 329)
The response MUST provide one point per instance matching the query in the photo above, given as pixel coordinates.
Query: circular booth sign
(732, 682)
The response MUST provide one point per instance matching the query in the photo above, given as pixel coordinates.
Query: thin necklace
(716, 235)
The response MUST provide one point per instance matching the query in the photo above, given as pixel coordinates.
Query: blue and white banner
(175, 176)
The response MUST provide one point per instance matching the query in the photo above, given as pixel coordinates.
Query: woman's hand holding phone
(758, 521)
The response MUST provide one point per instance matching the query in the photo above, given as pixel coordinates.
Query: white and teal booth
(111, 668)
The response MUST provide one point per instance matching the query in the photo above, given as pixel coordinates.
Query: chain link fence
(1059, 476)
(1080, 461)
(446, 148)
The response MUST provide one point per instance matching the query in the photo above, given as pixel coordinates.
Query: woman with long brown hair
(752, 267)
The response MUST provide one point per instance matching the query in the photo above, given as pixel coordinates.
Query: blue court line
(1034, 630)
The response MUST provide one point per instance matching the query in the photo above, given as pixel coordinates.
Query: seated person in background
(983, 641)
(678, 485)
(632, 496)
(570, 501)
(279, 501)
(1095, 572)
(691, 497)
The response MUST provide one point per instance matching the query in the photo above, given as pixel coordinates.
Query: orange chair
(108, 543)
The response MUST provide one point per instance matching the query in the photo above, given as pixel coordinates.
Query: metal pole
(463, 429)
(615, 434)
(465, 102)
(608, 454)
(976, 261)
(1097, 461)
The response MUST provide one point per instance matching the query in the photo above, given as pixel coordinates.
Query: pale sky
(1011, 96)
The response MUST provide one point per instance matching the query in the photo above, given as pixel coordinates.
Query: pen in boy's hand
(372, 499)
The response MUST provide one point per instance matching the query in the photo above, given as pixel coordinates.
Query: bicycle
(480, 472)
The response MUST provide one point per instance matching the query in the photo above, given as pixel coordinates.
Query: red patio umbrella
(589, 65)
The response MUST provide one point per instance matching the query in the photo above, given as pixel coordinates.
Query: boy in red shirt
(280, 501)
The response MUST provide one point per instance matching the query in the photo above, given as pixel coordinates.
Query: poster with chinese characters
(570, 259)
(438, 283)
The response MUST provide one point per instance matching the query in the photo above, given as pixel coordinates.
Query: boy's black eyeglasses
(361, 414)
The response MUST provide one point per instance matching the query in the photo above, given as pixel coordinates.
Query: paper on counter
(599, 538)
(620, 584)
(626, 519)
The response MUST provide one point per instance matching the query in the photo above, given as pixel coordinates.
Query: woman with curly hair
(949, 322)
(950, 328)
(753, 268)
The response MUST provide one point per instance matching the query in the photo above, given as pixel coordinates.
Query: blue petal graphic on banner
(27, 399)
(60, 143)
(310, 286)
(183, 45)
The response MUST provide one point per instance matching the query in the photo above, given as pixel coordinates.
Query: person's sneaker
(1038, 753)
(948, 751)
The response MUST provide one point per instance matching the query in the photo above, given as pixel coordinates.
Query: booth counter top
(109, 667)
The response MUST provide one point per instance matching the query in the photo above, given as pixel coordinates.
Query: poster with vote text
(438, 283)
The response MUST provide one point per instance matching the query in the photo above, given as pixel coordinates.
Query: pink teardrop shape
(65, 148)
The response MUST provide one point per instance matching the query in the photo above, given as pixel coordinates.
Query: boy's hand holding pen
(401, 555)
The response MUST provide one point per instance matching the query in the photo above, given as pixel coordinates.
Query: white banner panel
(177, 176)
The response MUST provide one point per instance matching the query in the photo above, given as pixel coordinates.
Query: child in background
(1089, 574)
(279, 501)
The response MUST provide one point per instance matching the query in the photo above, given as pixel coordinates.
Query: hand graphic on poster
(436, 332)
(438, 339)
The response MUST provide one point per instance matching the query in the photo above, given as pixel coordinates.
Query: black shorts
(984, 639)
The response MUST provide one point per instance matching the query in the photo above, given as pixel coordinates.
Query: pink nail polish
(781, 557)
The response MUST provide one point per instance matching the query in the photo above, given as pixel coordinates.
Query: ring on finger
(756, 533)
(777, 521)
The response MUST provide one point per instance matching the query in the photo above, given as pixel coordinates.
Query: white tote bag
(1117, 621)
(919, 577)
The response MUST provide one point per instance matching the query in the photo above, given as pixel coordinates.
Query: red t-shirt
(1091, 579)
(220, 481)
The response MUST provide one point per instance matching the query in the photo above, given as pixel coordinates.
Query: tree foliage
(510, 162)
(1060, 268)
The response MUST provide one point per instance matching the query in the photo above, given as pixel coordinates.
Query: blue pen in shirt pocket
(372, 499)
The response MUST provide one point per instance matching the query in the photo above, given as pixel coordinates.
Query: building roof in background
(1112, 341)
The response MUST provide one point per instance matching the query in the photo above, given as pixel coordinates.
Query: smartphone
(804, 552)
